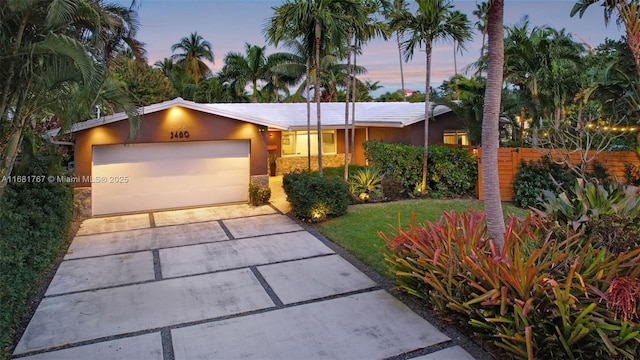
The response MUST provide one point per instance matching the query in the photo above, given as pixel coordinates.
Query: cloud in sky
(228, 24)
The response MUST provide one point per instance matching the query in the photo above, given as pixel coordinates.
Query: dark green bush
(452, 172)
(392, 188)
(535, 177)
(632, 174)
(259, 194)
(402, 162)
(315, 198)
(34, 221)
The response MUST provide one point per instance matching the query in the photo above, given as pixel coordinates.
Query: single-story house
(190, 154)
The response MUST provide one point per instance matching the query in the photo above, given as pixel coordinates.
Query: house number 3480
(179, 135)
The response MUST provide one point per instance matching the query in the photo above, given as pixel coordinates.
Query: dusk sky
(229, 24)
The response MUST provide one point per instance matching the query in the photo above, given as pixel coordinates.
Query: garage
(152, 176)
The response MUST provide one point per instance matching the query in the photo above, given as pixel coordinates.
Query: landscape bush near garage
(34, 222)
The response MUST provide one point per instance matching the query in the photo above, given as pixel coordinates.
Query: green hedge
(315, 198)
(397, 161)
(451, 172)
(534, 177)
(34, 221)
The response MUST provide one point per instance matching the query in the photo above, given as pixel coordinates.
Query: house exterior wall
(414, 134)
(286, 164)
(157, 128)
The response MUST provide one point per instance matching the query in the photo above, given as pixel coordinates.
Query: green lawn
(358, 230)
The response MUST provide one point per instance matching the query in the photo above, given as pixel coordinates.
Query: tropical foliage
(57, 57)
(548, 293)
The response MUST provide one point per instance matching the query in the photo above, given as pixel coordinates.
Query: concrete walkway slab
(371, 325)
(261, 225)
(175, 217)
(95, 273)
(83, 316)
(114, 223)
(145, 239)
(147, 347)
(301, 280)
(198, 259)
(452, 353)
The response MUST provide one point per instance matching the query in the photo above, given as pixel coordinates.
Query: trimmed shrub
(399, 161)
(315, 198)
(392, 188)
(541, 297)
(34, 221)
(534, 177)
(259, 194)
(451, 172)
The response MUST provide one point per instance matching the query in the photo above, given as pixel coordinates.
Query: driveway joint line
(247, 266)
(157, 268)
(226, 230)
(152, 220)
(167, 345)
(186, 245)
(272, 294)
(162, 278)
(407, 355)
(192, 323)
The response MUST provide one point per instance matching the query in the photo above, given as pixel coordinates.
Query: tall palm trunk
(308, 90)
(490, 132)
(427, 98)
(318, 33)
(346, 107)
(404, 97)
(455, 59)
(255, 91)
(354, 85)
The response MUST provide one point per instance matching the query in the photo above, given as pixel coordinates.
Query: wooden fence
(509, 160)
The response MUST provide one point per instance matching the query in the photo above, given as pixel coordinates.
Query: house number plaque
(181, 134)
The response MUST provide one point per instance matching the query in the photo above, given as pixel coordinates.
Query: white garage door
(141, 177)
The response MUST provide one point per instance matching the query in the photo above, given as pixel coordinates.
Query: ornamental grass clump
(546, 294)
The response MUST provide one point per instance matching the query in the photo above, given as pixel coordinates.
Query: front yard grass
(357, 231)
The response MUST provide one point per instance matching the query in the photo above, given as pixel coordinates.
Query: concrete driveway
(228, 282)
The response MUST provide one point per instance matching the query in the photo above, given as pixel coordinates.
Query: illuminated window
(294, 143)
(456, 137)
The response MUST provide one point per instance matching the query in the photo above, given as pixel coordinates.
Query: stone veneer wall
(287, 164)
(260, 179)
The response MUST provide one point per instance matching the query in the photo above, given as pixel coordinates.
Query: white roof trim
(88, 124)
(367, 115)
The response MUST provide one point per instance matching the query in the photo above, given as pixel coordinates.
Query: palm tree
(56, 65)
(256, 66)
(481, 24)
(392, 10)
(317, 22)
(490, 124)
(365, 30)
(434, 21)
(628, 14)
(194, 50)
